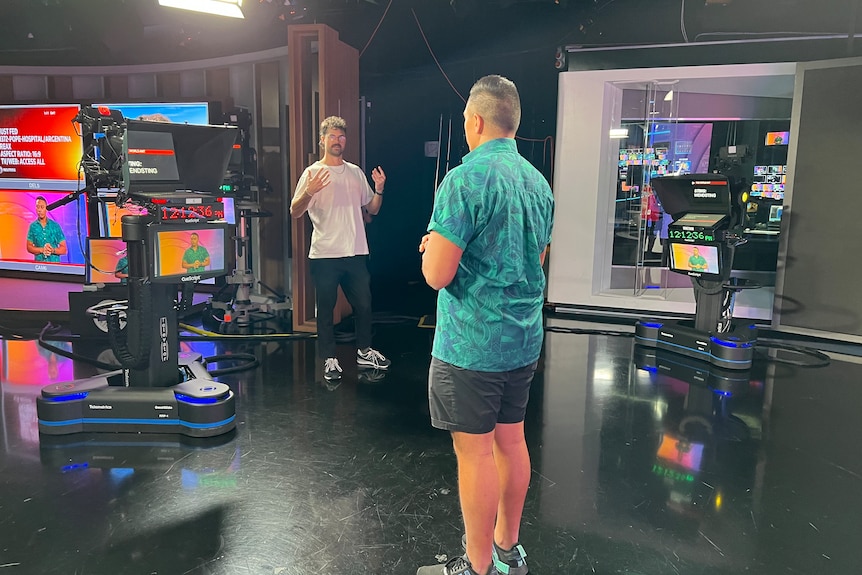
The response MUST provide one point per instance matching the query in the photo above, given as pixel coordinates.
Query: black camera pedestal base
(196, 407)
(731, 350)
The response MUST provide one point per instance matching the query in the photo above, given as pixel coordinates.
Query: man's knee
(473, 444)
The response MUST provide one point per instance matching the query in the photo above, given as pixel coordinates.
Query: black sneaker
(456, 566)
(511, 562)
(370, 357)
(331, 369)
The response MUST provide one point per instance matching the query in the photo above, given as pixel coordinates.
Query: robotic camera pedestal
(703, 236)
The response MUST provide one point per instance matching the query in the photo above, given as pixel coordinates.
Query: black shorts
(476, 401)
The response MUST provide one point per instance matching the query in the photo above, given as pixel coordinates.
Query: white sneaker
(331, 369)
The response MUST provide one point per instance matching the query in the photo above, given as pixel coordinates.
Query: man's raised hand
(317, 182)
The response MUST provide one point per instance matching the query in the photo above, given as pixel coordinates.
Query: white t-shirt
(336, 211)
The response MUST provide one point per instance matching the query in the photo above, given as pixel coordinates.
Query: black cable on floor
(250, 362)
(582, 331)
(820, 358)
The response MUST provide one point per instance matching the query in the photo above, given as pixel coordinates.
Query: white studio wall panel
(88, 88)
(142, 86)
(193, 83)
(30, 87)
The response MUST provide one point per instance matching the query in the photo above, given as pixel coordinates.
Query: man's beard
(332, 150)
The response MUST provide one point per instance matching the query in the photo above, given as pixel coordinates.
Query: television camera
(173, 172)
(707, 226)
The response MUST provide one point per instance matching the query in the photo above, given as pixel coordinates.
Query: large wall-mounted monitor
(40, 148)
(171, 112)
(19, 219)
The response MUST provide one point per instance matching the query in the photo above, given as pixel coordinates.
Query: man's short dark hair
(496, 99)
(40, 198)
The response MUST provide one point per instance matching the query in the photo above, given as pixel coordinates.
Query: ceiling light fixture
(619, 133)
(231, 8)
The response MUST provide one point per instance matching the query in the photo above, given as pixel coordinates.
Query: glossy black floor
(639, 467)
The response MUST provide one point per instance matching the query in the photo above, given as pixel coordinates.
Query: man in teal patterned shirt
(45, 237)
(484, 252)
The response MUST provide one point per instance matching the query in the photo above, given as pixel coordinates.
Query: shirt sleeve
(453, 216)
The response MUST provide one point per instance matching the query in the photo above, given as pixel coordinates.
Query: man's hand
(379, 178)
(423, 243)
(47, 250)
(317, 182)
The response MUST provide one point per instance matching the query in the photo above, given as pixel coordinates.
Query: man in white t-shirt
(334, 192)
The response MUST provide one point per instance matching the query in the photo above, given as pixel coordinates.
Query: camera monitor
(777, 138)
(702, 193)
(775, 212)
(106, 257)
(189, 253)
(700, 260)
(163, 158)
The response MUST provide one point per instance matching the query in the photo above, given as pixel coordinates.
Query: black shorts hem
(448, 426)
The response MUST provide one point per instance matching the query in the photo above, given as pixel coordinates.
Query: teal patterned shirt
(52, 234)
(498, 208)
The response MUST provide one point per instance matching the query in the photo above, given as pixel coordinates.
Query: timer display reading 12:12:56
(197, 212)
(677, 234)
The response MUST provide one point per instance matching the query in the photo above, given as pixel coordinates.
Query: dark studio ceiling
(118, 32)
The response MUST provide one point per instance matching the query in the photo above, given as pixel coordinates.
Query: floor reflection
(643, 462)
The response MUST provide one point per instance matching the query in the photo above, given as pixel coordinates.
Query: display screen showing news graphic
(18, 217)
(189, 253)
(39, 148)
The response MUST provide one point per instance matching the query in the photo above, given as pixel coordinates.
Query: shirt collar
(500, 145)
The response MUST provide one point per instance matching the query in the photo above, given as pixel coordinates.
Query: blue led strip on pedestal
(139, 422)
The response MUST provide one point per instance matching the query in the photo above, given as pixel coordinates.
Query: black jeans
(352, 275)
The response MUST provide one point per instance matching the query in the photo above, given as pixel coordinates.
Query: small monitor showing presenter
(697, 258)
(189, 255)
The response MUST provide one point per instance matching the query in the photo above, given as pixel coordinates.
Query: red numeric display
(198, 212)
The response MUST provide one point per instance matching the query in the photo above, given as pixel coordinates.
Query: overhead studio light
(619, 133)
(232, 8)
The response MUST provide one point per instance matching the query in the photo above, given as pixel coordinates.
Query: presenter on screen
(121, 271)
(45, 238)
(196, 258)
(697, 262)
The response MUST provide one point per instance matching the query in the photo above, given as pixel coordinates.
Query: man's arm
(61, 249)
(306, 190)
(440, 260)
(379, 177)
